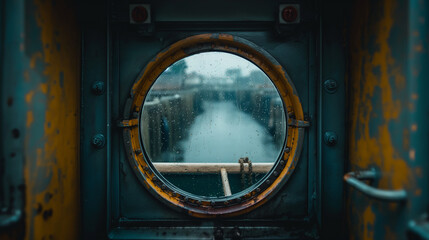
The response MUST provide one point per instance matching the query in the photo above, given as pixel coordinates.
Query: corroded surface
(52, 124)
(380, 109)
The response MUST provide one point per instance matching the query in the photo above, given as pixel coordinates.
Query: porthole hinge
(128, 123)
(298, 123)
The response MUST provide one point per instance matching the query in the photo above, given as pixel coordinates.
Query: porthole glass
(213, 124)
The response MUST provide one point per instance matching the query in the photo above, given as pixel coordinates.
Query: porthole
(213, 126)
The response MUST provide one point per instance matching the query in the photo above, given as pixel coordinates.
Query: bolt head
(98, 88)
(98, 141)
(330, 86)
(331, 138)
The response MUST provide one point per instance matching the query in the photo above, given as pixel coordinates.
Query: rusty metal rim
(238, 203)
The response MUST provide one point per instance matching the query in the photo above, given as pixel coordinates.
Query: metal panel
(295, 60)
(332, 107)
(292, 204)
(94, 121)
(128, 202)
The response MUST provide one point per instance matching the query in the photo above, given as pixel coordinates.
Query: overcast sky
(216, 63)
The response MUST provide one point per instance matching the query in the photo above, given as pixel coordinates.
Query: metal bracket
(298, 123)
(128, 123)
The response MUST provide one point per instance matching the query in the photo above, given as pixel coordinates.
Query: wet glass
(213, 124)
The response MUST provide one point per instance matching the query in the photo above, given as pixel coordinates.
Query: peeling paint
(377, 107)
(51, 171)
(30, 119)
(368, 218)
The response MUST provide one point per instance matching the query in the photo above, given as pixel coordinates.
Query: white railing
(165, 167)
(222, 168)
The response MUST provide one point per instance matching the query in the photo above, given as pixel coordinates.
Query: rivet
(275, 173)
(98, 141)
(98, 88)
(268, 181)
(331, 138)
(287, 150)
(258, 190)
(330, 86)
(282, 162)
(163, 187)
(226, 203)
(138, 151)
(212, 203)
(154, 178)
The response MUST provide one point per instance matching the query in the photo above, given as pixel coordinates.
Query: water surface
(223, 133)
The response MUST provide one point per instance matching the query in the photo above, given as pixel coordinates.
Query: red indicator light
(139, 14)
(289, 14)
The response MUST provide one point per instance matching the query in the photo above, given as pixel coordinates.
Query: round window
(213, 126)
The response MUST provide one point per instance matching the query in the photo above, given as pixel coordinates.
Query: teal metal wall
(58, 182)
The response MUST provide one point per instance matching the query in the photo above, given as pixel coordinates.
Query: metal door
(388, 197)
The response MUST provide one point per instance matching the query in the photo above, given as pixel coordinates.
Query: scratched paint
(51, 170)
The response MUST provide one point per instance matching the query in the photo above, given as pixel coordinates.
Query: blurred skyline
(215, 64)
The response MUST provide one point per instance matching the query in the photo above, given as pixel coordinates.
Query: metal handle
(419, 228)
(354, 180)
(7, 220)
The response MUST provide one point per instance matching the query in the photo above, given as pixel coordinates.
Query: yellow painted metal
(52, 171)
(377, 81)
(225, 43)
